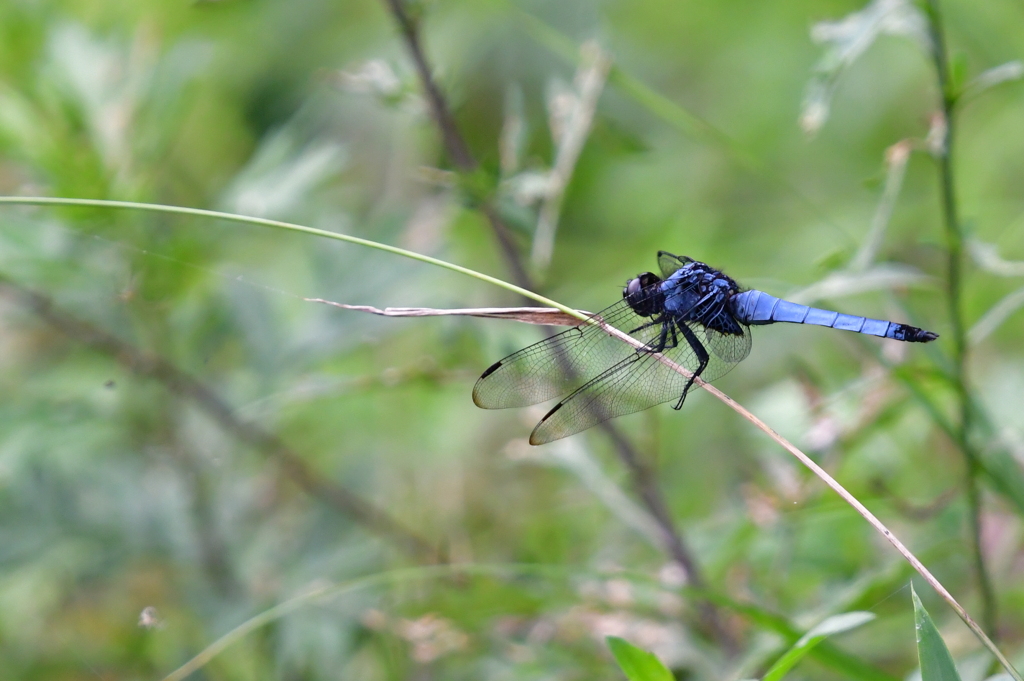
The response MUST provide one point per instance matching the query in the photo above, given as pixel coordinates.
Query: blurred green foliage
(136, 530)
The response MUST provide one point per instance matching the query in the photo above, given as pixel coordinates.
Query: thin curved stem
(955, 261)
(277, 224)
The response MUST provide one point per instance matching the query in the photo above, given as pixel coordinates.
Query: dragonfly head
(640, 295)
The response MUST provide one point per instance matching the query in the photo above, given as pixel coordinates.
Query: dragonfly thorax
(699, 293)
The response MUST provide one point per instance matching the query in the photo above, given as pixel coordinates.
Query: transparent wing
(563, 362)
(639, 381)
(729, 348)
(668, 263)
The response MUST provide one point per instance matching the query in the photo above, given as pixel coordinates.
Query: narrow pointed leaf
(936, 662)
(637, 664)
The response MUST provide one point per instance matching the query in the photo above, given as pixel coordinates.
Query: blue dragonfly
(693, 315)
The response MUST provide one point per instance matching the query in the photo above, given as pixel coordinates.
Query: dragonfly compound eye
(639, 283)
(642, 296)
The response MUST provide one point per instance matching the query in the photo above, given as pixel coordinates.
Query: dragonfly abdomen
(757, 307)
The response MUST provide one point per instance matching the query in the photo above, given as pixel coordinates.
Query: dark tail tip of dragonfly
(912, 334)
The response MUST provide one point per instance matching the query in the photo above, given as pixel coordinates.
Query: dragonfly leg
(702, 360)
(663, 341)
(671, 326)
(648, 325)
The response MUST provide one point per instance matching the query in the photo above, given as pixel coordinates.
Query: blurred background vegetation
(185, 442)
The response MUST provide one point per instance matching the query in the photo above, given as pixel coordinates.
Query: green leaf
(638, 665)
(807, 642)
(936, 662)
(957, 74)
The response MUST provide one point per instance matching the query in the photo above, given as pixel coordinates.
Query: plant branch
(647, 489)
(454, 143)
(643, 481)
(955, 249)
(186, 387)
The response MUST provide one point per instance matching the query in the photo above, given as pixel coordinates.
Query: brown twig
(454, 143)
(186, 387)
(508, 247)
(646, 487)
(543, 316)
